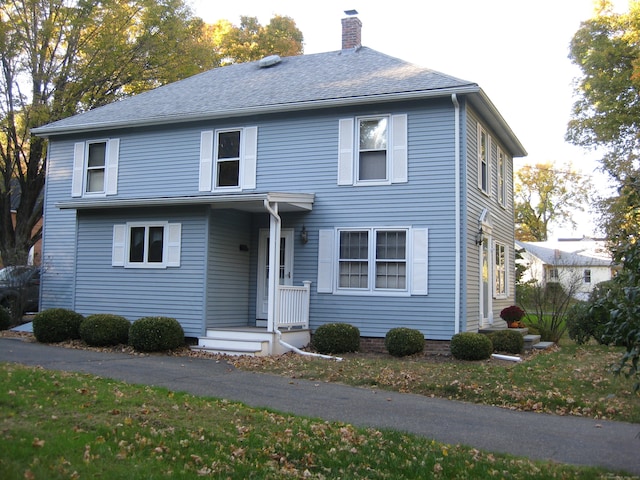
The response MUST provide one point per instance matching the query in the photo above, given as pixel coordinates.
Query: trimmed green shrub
(336, 338)
(156, 334)
(103, 329)
(5, 318)
(56, 325)
(471, 346)
(402, 341)
(507, 341)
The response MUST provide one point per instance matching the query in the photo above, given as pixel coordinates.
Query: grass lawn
(570, 380)
(57, 425)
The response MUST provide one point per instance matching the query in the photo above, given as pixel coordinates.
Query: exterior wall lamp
(304, 236)
(479, 236)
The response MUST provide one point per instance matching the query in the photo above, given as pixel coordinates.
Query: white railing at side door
(294, 306)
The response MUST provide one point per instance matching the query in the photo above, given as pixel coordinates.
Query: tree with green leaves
(251, 41)
(545, 194)
(606, 48)
(62, 57)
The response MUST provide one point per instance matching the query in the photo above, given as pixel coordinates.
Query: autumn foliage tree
(606, 48)
(61, 57)
(546, 194)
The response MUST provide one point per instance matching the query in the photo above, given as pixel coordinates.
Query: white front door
(286, 268)
(485, 283)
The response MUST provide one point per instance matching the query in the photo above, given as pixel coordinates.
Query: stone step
(543, 345)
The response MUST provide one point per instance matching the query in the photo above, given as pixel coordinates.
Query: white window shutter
(345, 151)
(399, 156)
(205, 183)
(113, 154)
(419, 261)
(78, 170)
(250, 158)
(174, 240)
(325, 261)
(119, 245)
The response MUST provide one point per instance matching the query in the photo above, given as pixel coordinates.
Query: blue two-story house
(388, 186)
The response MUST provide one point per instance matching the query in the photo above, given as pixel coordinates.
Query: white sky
(516, 50)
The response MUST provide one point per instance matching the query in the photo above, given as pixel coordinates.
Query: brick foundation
(431, 347)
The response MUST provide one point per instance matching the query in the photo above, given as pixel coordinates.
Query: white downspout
(274, 265)
(275, 224)
(456, 313)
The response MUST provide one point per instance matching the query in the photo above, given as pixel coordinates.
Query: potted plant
(512, 315)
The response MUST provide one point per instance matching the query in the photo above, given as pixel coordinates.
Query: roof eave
(46, 131)
(289, 202)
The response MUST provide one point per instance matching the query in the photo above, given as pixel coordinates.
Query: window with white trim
(553, 274)
(373, 260)
(502, 178)
(587, 275)
(95, 168)
(146, 245)
(372, 150)
(372, 154)
(228, 159)
(372, 254)
(500, 277)
(484, 160)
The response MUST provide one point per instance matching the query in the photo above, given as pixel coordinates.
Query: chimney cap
(351, 12)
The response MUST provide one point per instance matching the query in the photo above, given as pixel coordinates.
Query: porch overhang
(249, 202)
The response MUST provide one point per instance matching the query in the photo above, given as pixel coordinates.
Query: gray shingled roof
(579, 253)
(295, 83)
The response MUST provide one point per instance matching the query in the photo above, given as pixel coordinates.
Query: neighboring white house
(578, 264)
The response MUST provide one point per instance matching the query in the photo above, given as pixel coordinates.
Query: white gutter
(52, 129)
(456, 313)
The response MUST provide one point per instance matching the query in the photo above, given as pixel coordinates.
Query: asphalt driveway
(572, 440)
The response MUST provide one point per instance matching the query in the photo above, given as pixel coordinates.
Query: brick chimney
(351, 31)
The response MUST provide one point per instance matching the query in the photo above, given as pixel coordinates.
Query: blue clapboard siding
(59, 231)
(502, 220)
(133, 292)
(215, 286)
(228, 277)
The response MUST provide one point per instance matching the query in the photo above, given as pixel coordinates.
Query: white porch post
(274, 265)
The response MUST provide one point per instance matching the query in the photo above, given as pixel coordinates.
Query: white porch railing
(294, 306)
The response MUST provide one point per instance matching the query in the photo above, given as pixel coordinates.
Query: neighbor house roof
(570, 253)
(303, 82)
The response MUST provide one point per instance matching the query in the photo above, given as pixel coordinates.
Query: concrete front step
(231, 346)
(543, 345)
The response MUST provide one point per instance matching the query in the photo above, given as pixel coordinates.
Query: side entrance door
(286, 268)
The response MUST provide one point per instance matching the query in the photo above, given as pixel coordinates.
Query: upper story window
(587, 275)
(95, 168)
(553, 275)
(484, 160)
(372, 150)
(502, 178)
(227, 171)
(373, 261)
(146, 245)
(228, 159)
(372, 162)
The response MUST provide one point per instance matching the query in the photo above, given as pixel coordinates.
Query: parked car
(20, 288)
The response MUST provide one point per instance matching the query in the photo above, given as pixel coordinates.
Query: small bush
(507, 341)
(156, 334)
(471, 346)
(103, 329)
(56, 325)
(401, 342)
(5, 318)
(336, 338)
